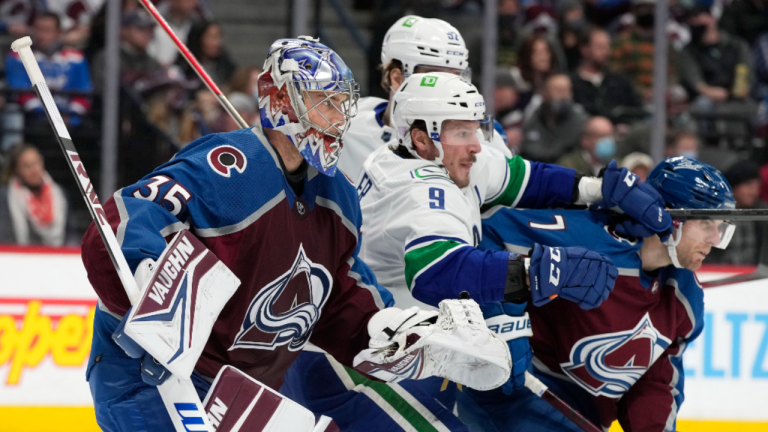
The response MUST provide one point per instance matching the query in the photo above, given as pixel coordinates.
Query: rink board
(47, 305)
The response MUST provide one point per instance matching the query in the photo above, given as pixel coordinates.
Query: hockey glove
(410, 344)
(573, 273)
(637, 199)
(152, 372)
(510, 321)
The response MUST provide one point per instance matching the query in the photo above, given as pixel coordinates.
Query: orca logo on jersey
(287, 309)
(609, 364)
(223, 159)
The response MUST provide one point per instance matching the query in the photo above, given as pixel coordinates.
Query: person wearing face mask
(33, 208)
(572, 24)
(632, 51)
(715, 66)
(596, 147)
(555, 127)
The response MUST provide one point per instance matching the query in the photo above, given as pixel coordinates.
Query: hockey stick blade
(540, 389)
(719, 214)
(761, 272)
(178, 393)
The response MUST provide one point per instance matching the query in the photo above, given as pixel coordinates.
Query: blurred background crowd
(574, 83)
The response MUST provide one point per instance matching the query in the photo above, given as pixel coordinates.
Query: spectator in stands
(555, 127)
(572, 24)
(246, 80)
(508, 40)
(745, 245)
(15, 16)
(64, 69)
(75, 16)
(746, 19)
(181, 15)
(206, 43)
(137, 67)
(760, 57)
(33, 208)
(597, 88)
(632, 52)
(715, 66)
(683, 143)
(639, 164)
(596, 148)
(537, 61)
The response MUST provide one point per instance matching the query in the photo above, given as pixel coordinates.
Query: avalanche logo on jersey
(286, 310)
(224, 159)
(609, 364)
(612, 232)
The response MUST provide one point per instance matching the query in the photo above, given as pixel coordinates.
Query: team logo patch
(618, 237)
(224, 159)
(286, 310)
(609, 364)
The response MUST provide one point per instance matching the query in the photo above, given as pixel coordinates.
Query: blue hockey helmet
(314, 78)
(689, 184)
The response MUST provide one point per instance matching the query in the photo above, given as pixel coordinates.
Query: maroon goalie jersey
(296, 257)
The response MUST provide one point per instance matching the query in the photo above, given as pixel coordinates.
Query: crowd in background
(574, 86)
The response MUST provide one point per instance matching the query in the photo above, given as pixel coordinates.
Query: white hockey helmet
(417, 41)
(436, 98)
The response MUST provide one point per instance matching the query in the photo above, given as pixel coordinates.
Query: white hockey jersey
(416, 220)
(367, 133)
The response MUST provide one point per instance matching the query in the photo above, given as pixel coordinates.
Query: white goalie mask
(313, 76)
(428, 42)
(436, 98)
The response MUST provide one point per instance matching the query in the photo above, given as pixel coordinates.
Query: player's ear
(421, 141)
(395, 79)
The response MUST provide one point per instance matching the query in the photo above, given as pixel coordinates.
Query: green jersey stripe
(418, 260)
(403, 408)
(518, 179)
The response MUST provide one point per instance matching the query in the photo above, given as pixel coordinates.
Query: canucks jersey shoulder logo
(609, 364)
(286, 310)
(431, 172)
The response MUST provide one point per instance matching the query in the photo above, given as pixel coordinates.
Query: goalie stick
(178, 393)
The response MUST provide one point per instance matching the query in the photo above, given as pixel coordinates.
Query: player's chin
(696, 262)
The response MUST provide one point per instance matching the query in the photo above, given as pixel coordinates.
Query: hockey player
(421, 198)
(266, 202)
(622, 361)
(412, 45)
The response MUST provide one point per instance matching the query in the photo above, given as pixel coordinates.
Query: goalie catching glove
(453, 343)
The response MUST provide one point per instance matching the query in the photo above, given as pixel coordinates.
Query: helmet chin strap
(673, 241)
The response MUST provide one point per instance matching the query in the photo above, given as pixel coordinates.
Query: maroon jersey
(626, 355)
(296, 257)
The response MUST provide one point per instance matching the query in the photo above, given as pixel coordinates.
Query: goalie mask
(309, 94)
(689, 184)
(435, 99)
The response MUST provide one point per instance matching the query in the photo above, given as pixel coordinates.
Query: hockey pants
(523, 411)
(123, 402)
(358, 404)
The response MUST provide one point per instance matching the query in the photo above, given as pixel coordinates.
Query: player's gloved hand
(637, 199)
(510, 321)
(152, 372)
(573, 273)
